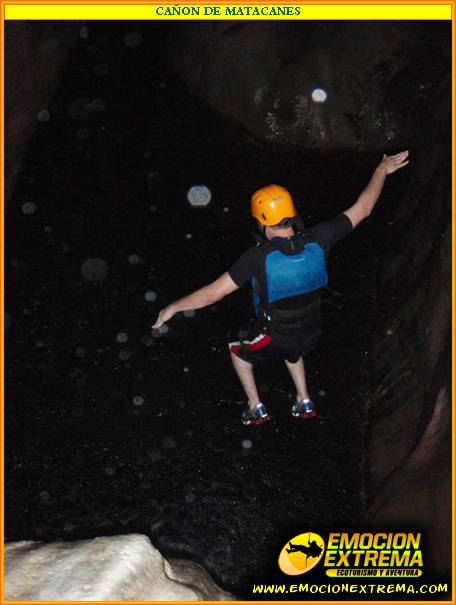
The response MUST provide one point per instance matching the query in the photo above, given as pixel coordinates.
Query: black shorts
(252, 344)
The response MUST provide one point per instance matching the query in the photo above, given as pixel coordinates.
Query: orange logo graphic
(301, 553)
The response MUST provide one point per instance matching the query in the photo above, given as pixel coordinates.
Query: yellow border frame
(144, 11)
(316, 9)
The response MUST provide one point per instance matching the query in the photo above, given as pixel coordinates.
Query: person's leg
(298, 375)
(244, 370)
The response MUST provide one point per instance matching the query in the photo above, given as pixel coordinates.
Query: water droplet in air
(43, 116)
(150, 296)
(28, 208)
(134, 259)
(98, 105)
(94, 269)
(199, 195)
(319, 95)
(133, 40)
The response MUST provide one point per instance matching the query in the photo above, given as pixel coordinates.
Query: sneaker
(256, 416)
(303, 409)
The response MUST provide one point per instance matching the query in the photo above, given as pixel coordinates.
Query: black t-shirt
(288, 275)
(251, 263)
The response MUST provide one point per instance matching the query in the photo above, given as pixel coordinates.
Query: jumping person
(287, 271)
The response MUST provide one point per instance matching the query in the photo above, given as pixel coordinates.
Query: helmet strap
(298, 223)
(259, 239)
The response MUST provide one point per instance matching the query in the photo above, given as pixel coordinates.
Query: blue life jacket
(301, 274)
(291, 275)
(288, 275)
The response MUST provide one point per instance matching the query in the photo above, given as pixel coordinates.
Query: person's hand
(165, 315)
(391, 163)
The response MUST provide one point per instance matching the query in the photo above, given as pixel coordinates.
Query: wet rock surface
(116, 429)
(413, 307)
(38, 54)
(410, 397)
(142, 433)
(330, 85)
(109, 568)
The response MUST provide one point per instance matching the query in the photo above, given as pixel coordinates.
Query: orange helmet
(271, 204)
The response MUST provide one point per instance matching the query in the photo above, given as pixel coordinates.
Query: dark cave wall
(261, 75)
(410, 412)
(414, 296)
(35, 53)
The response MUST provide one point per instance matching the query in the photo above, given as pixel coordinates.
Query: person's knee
(239, 362)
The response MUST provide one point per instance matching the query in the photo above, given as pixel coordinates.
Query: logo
(396, 554)
(301, 553)
(369, 554)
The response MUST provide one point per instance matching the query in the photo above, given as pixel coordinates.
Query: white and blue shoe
(258, 415)
(304, 408)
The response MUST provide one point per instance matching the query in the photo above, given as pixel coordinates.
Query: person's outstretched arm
(369, 196)
(203, 297)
